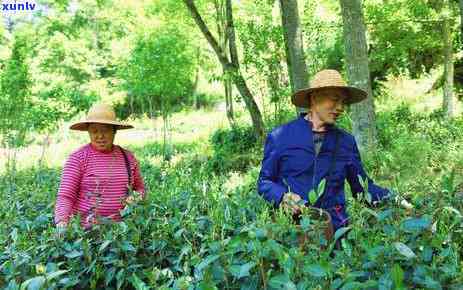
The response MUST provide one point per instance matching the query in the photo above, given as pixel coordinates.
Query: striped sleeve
(139, 184)
(69, 188)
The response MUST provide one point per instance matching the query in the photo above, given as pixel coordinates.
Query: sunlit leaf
(35, 283)
(404, 250)
(315, 270)
(240, 271)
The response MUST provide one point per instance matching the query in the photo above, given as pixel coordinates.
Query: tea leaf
(404, 250)
(240, 271)
(74, 254)
(352, 286)
(430, 283)
(282, 282)
(313, 197)
(340, 232)
(415, 225)
(315, 270)
(56, 274)
(397, 275)
(104, 245)
(210, 259)
(35, 283)
(453, 210)
(368, 197)
(138, 283)
(321, 187)
(206, 285)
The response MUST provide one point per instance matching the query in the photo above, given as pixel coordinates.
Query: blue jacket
(290, 161)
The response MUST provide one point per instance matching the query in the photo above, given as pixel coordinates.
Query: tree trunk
(151, 109)
(45, 145)
(231, 66)
(448, 104)
(363, 114)
(195, 86)
(238, 78)
(131, 103)
(294, 46)
(221, 22)
(461, 23)
(229, 100)
(166, 137)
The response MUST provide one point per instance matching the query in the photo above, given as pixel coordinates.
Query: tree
(230, 63)
(264, 57)
(158, 74)
(294, 45)
(223, 40)
(448, 100)
(404, 38)
(460, 3)
(363, 114)
(15, 100)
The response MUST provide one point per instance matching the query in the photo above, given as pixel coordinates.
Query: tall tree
(230, 63)
(363, 114)
(222, 31)
(264, 56)
(294, 45)
(15, 100)
(161, 82)
(448, 102)
(460, 2)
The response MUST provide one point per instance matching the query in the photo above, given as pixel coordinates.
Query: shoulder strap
(127, 166)
(333, 158)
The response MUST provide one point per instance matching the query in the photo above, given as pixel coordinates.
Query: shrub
(234, 149)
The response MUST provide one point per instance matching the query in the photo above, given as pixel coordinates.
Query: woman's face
(102, 136)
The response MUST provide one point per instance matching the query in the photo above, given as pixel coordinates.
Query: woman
(95, 179)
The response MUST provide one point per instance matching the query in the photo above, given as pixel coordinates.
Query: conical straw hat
(102, 114)
(328, 79)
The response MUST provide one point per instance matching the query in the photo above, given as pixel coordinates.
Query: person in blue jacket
(298, 155)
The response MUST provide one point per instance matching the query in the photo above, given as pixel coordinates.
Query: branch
(205, 30)
(231, 35)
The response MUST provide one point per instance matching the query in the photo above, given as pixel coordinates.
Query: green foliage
(315, 194)
(405, 37)
(193, 232)
(158, 72)
(323, 38)
(15, 96)
(264, 55)
(433, 127)
(234, 149)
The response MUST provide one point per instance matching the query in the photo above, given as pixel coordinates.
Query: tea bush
(234, 149)
(201, 229)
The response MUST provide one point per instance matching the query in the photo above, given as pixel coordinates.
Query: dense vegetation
(206, 229)
(203, 224)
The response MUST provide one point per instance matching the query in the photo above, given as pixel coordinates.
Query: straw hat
(102, 114)
(328, 79)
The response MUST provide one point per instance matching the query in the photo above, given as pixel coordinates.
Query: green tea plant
(194, 232)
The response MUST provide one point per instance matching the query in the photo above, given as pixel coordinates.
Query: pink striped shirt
(95, 183)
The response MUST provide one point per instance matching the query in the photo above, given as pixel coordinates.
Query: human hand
(61, 229)
(398, 200)
(292, 202)
(133, 198)
(403, 202)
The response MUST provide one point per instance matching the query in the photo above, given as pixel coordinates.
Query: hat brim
(353, 95)
(83, 125)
